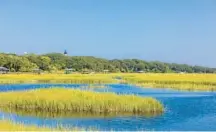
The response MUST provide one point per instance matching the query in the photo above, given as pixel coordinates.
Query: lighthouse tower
(65, 53)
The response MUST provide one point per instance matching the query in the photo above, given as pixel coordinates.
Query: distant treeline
(58, 61)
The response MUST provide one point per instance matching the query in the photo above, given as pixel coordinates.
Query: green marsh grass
(74, 100)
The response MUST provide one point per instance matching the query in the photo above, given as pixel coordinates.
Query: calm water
(184, 111)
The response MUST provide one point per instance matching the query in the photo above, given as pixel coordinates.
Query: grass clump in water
(74, 100)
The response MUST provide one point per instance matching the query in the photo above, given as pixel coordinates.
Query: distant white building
(140, 71)
(3, 70)
(105, 71)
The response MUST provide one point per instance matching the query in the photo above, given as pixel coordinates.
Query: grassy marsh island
(73, 100)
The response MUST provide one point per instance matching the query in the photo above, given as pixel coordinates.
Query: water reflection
(43, 114)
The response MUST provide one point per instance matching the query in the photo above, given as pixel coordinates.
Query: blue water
(184, 111)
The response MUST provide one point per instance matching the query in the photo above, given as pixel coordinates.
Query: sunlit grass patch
(189, 82)
(57, 78)
(74, 100)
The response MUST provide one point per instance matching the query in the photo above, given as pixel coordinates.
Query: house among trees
(140, 71)
(3, 70)
(69, 70)
(105, 71)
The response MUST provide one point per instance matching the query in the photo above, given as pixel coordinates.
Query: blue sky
(181, 31)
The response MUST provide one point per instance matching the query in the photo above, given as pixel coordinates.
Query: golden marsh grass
(57, 78)
(74, 100)
(190, 82)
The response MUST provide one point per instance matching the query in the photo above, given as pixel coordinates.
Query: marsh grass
(57, 78)
(74, 100)
(189, 82)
